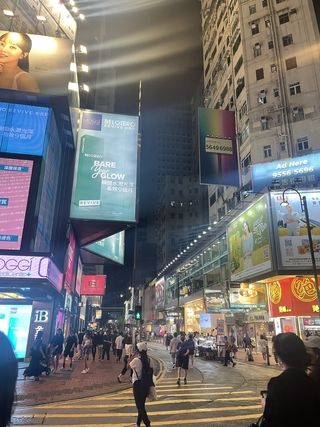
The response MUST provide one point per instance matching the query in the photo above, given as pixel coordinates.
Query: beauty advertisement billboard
(111, 248)
(249, 242)
(105, 180)
(291, 232)
(217, 147)
(35, 63)
(15, 178)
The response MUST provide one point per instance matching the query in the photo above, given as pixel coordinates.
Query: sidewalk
(257, 358)
(66, 385)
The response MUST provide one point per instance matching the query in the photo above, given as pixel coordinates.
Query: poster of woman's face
(34, 63)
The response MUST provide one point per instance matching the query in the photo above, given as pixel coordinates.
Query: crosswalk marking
(187, 388)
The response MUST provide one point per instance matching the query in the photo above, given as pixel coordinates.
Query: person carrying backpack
(142, 378)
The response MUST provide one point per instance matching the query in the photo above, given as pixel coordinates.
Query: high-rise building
(261, 59)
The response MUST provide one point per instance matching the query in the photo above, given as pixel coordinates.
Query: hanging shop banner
(23, 128)
(285, 172)
(295, 296)
(71, 253)
(79, 277)
(205, 321)
(93, 285)
(214, 300)
(217, 147)
(15, 178)
(245, 295)
(111, 248)
(292, 243)
(105, 181)
(43, 63)
(249, 242)
(159, 290)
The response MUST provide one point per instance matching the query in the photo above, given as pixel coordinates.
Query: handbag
(152, 393)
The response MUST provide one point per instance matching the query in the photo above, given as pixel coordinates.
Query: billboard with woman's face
(34, 63)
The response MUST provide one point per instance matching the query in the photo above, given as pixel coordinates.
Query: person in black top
(100, 344)
(71, 344)
(38, 354)
(57, 347)
(94, 345)
(292, 397)
(80, 340)
(107, 342)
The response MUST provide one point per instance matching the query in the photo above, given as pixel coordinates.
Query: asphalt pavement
(214, 396)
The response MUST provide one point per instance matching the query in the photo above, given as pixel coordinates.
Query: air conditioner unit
(293, 11)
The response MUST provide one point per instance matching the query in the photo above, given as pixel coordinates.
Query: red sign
(293, 296)
(69, 277)
(93, 285)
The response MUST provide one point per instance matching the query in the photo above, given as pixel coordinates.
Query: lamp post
(304, 209)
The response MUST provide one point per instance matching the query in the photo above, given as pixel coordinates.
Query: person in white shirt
(173, 348)
(119, 346)
(138, 364)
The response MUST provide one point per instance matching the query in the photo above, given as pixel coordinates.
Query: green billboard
(105, 179)
(249, 243)
(110, 248)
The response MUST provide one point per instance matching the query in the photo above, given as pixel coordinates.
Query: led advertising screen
(22, 128)
(247, 295)
(286, 172)
(15, 177)
(291, 232)
(217, 147)
(15, 323)
(105, 181)
(110, 248)
(43, 65)
(159, 291)
(93, 285)
(249, 242)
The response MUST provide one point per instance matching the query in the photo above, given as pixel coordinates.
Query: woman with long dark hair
(8, 379)
(14, 63)
(139, 365)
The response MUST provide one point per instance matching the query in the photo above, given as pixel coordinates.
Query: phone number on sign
(292, 172)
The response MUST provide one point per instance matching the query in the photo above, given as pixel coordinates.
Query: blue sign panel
(22, 128)
(286, 172)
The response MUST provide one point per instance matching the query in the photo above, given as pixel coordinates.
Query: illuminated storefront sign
(293, 297)
(93, 285)
(111, 248)
(285, 172)
(159, 293)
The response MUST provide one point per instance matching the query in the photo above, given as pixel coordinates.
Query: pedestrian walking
(140, 365)
(56, 345)
(71, 345)
(86, 349)
(191, 347)
(8, 379)
(228, 353)
(313, 348)
(99, 340)
(119, 347)
(38, 354)
(107, 342)
(173, 348)
(292, 398)
(128, 353)
(247, 343)
(182, 358)
(168, 338)
(94, 346)
(263, 346)
(80, 339)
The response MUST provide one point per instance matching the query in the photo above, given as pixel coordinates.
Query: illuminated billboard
(93, 285)
(15, 323)
(22, 128)
(217, 147)
(105, 181)
(15, 177)
(43, 64)
(110, 248)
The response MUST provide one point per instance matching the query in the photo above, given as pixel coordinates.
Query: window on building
(254, 28)
(287, 40)
(264, 123)
(252, 9)
(240, 86)
(262, 97)
(238, 65)
(297, 114)
(303, 143)
(236, 44)
(283, 18)
(257, 50)
(273, 68)
(264, 3)
(291, 63)
(283, 146)
(267, 151)
(270, 44)
(213, 199)
(259, 74)
(243, 110)
(279, 1)
(295, 88)
(276, 92)
(246, 161)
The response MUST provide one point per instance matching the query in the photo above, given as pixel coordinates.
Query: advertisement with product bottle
(105, 180)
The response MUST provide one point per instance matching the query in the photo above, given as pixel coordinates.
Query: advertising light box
(249, 242)
(15, 323)
(105, 181)
(15, 177)
(110, 248)
(22, 128)
(93, 285)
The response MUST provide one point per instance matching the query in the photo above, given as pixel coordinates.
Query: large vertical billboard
(15, 178)
(105, 181)
(249, 242)
(35, 63)
(218, 147)
(291, 232)
(111, 248)
(160, 293)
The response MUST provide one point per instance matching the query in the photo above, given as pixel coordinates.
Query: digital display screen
(15, 323)
(22, 128)
(15, 178)
(110, 248)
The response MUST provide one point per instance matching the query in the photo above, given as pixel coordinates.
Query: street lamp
(304, 209)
